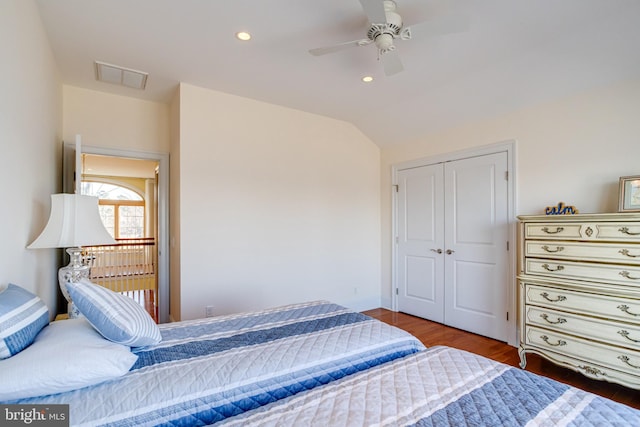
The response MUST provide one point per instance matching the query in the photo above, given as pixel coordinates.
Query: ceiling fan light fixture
(386, 26)
(384, 42)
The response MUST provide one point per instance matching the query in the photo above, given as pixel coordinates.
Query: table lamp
(74, 222)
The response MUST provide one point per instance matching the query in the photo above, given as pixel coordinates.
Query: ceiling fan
(386, 26)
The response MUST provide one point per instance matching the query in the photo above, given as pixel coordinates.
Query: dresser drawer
(552, 230)
(604, 306)
(599, 252)
(622, 359)
(587, 327)
(622, 274)
(620, 231)
(598, 231)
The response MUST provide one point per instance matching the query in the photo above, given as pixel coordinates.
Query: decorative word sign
(561, 209)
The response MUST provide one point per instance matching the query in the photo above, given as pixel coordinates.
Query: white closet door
(420, 261)
(476, 235)
(452, 259)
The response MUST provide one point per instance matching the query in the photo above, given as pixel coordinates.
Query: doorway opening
(127, 190)
(158, 222)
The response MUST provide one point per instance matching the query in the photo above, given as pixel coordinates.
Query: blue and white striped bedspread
(442, 387)
(206, 370)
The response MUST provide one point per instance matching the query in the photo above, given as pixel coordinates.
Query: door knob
(437, 250)
(449, 251)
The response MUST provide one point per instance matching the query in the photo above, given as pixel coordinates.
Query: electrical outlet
(208, 311)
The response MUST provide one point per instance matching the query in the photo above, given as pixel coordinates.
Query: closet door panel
(475, 225)
(420, 242)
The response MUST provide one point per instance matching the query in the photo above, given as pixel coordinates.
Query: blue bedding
(205, 371)
(442, 387)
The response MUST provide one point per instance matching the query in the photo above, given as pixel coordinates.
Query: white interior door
(476, 235)
(72, 166)
(420, 242)
(451, 252)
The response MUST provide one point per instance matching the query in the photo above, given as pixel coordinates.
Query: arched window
(121, 209)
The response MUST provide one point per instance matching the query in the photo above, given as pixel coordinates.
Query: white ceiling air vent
(115, 74)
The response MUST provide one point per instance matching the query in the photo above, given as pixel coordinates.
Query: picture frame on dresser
(629, 194)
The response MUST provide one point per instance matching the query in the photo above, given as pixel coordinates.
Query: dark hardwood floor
(431, 334)
(147, 299)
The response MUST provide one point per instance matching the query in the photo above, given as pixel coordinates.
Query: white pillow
(117, 317)
(66, 355)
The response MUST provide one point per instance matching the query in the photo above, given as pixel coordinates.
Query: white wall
(276, 206)
(30, 134)
(114, 121)
(572, 150)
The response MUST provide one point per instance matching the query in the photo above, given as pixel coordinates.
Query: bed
(442, 387)
(319, 363)
(204, 371)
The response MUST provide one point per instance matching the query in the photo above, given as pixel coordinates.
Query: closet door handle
(439, 251)
(449, 251)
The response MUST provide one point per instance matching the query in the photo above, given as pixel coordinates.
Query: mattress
(207, 370)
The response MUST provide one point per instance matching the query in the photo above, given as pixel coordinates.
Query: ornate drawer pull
(626, 335)
(557, 322)
(625, 359)
(558, 230)
(626, 252)
(552, 251)
(625, 230)
(628, 275)
(560, 343)
(558, 299)
(625, 308)
(592, 370)
(558, 268)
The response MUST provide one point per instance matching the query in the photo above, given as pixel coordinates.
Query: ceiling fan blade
(391, 63)
(454, 22)
(374, 9)
(338, 47)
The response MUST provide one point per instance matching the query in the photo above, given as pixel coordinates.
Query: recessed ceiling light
(243, 35)
(367, 79)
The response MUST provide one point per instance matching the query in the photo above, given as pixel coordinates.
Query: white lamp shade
(74, 221)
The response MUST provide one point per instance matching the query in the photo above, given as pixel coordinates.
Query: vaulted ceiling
(513, 54)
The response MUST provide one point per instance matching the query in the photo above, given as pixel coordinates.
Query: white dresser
(579, 293)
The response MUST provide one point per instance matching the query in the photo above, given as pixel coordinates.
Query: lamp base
(70, 274)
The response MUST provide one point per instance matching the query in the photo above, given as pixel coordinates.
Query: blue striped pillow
(118, 318)
(22, 316)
